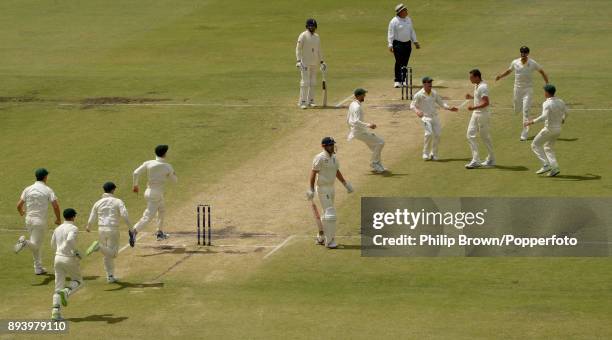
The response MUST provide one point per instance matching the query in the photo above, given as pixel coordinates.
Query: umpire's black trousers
(401, 51)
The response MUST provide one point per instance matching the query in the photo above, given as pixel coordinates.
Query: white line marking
(344, 101)
(279, 246)
(127, 245)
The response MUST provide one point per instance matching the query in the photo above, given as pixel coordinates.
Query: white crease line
(279, 246)
(127, 245)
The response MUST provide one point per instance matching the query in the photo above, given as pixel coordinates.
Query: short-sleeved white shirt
(523, 72)
(427, 103)
(37, 198)
(481, 90)
(327, 166)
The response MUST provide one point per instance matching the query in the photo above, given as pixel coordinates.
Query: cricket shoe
(312, 105)
(544, 169)
(379, 168)
(40, 271)
(473, 165)
(132, 234)
(20, 244)
(303, 106)
(161, 235)
(433, 157)
(489, 163)
(111, 279)
(554, 172)
(95, 246)
(332, 245)
(56, 315)
(63, 294)
(397, 85)
(425, 157)
(320, 239)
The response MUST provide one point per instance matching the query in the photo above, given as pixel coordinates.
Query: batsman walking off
(424, 105)
(309, 59)
(158, 173)
(554, 113)
(400, 36)
(359, 130)
(523, 68)
(36, 199)
(67, 262)
(107, 212)
(325, 170)
(479, 123)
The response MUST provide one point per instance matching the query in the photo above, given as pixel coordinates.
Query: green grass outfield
(242, 53)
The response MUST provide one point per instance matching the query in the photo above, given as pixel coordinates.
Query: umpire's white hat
(400, 8)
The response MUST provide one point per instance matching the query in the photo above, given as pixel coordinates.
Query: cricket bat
(324, 89)
(317, 215)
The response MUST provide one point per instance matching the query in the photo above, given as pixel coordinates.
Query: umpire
(401, 34)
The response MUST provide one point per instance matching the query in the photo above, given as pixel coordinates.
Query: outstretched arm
(544, 75)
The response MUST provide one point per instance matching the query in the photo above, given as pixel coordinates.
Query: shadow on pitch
(446, 160)
(108, 318)
(587, 177)
(123, 285)
(558, 139)
(51, 278)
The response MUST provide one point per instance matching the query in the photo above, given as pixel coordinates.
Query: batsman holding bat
(309, 59)
(325, 170)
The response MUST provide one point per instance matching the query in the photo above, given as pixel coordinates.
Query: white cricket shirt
(108, 210)
(308, 49)
(481, 90)
(523, 72)
(64, 239)
(37, 198)
(554, 112)
(427, 103)
(327, 166)
(354, 119)
(158, 173)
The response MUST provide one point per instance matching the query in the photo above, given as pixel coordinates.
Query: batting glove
(309, 194)
(349, 187)
(323, 67)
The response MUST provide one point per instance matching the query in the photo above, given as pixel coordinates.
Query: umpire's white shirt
(401, 30)
(37, 198)
(308, 48)
(523, 73)
(327, 166)
(554, 112)
(427, 103)
(108, 211)
(158, 173)
(355, 120)
(481, 90)
(64, 239)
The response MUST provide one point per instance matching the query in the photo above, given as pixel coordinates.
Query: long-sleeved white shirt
(37, 198)
(308, 49)
(158, 173)
(355, 121)
(401, 29)
(327, 166)
(426, 103)
(64, 239)
(108, 210)
(554, 113)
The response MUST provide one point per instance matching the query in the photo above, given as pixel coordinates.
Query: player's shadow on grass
(558, 139)
(509, 167)
(108, 318)
(123, 285)
(587, 177)
(446, 160)
(51, 278)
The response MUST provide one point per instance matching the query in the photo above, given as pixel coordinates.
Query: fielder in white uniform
(523, 68)
(359, 129)
(325, 170)
(479, 123)
(107, 212)
(67, 258)
(424, 105)
(554, 113)
(158, 172)
(309, 59)
(36, 199)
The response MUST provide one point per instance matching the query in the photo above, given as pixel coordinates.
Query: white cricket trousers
(522, 103)
(308, 84)
(543, 144)
(326, 195)
(155, 205)
(109, 247)
(66, 266)
(373, 142)
(433, 129)
(328, 212)
(37, 233)
(479, 125)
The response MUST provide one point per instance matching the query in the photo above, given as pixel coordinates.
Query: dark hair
(161, 150)
(69, 213)
(476, 73)
(41, 174)
(524, 49)
(108, 187)
(550, 88)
